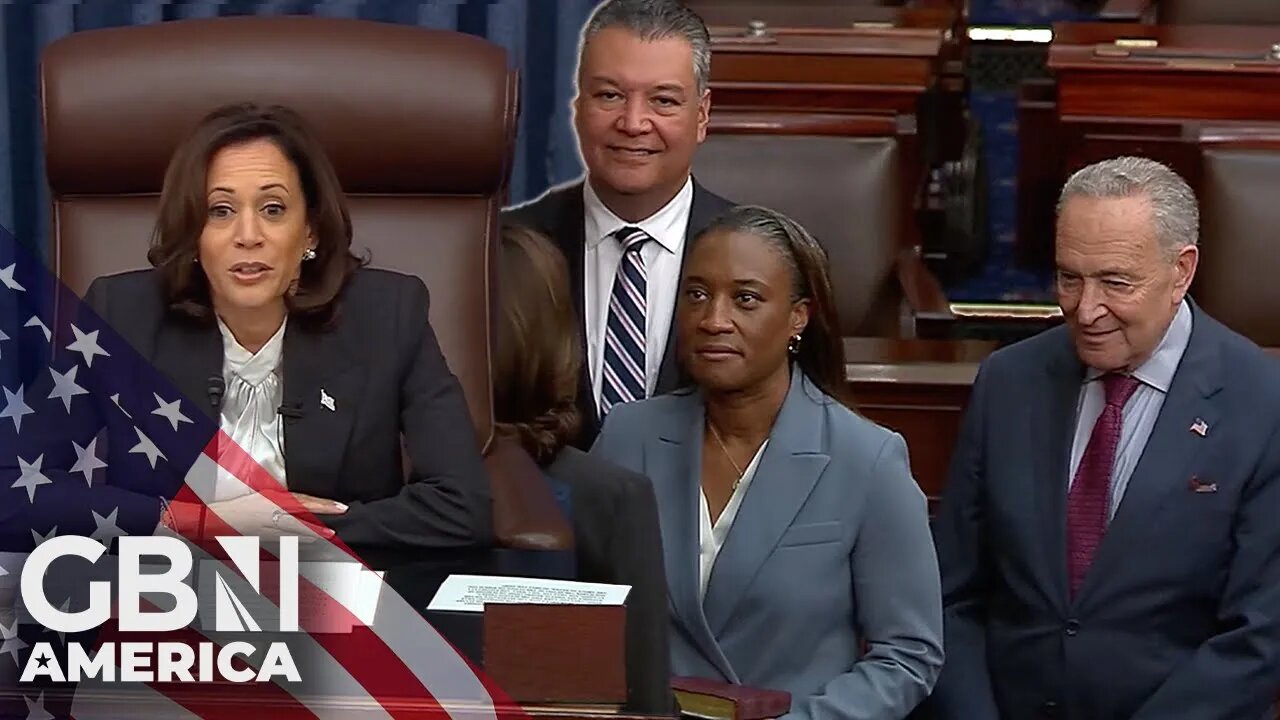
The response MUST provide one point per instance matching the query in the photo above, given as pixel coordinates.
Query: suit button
(1049, 710)
(1073, 627)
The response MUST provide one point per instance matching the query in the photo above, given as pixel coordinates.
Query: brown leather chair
(846, 191)
(419, 123)
(1194, 12)
(1239, 263)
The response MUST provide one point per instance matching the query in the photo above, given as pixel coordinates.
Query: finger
(327, 507)
(291, 525)
(320, 506)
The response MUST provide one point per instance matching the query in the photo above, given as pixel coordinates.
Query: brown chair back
(1235, 282)
(419, 124)
(843, 190)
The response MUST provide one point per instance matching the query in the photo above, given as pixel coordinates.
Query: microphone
(216, 387)
(292, 411)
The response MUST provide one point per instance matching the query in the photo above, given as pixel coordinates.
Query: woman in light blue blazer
(797, 545)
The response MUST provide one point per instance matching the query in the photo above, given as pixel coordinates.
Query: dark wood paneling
(918, 388)
(1039, 171)
(812, 68)
(1200, 95)
(1110, 97)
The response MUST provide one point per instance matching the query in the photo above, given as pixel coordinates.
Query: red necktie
(1089, 501)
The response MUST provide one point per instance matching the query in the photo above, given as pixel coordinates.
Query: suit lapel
(786, 475)
(189, 354)
(1052, 429)
(1170, 452)
(570, 232)
(315, 440)
(674, 460)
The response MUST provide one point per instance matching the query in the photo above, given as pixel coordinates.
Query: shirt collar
(1159, 369)
(666, 226)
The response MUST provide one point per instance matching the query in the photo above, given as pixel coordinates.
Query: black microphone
(216, 387)
(293, 411)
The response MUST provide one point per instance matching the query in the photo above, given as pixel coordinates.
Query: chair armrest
(525, 513)
(921, 290)
(1131, 11)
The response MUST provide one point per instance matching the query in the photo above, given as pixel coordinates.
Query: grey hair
(655, 20)
(1173, 204)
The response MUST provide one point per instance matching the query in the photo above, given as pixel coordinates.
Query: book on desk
(714, 700)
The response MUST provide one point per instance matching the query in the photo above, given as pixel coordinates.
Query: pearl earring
(310, 254)
(793, 347)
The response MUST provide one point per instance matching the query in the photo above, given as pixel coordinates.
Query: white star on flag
(35, 709)
(39, 539)
(12, 643)
(65, 387)
(87, 345)
(86, 460)
(3, 337)
(6, 277)
(37, 322)
(116, 399)
(31, 477)
(106, 528)
(15, 407)
(148, 448)
(170, 411)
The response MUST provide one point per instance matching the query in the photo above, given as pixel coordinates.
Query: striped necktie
(624, 346)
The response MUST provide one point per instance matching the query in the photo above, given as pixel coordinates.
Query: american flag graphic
(92, 437)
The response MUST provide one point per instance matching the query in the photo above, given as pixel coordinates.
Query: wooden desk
(920, 389)
(859, 71)
(1110, 96)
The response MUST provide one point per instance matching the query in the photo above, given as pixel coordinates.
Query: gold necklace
(719, 441)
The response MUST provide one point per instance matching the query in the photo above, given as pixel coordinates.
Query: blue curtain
(540, 37)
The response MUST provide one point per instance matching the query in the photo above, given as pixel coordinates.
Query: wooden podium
(1155, 90)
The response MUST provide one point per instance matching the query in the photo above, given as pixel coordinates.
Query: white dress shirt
(711, 537)
(249, 413)
(1139, 416)
(662, 259)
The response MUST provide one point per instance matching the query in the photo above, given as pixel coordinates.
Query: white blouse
(711, 538)
(250, 405)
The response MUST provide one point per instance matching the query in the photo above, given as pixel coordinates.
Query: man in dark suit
(1108, 539)
(640, 113)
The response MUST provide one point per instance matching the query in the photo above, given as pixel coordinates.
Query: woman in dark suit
(798, 551)
(315, 366)
(615, 518)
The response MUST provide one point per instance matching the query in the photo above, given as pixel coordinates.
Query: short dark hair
(183, 211)
(821, 351)
(655, 20)
(538, 356)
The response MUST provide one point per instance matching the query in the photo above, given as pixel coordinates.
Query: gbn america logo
(159, 661)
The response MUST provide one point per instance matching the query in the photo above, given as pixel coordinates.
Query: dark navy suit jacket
(1179, 616)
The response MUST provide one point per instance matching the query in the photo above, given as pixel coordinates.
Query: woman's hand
(319, 506)
(260, 515)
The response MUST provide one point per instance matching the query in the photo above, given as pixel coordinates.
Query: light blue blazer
(830, 547)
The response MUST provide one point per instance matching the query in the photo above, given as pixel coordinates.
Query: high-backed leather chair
(845, 191)
(419, 124)
(1194, 12)
(1239, 258)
